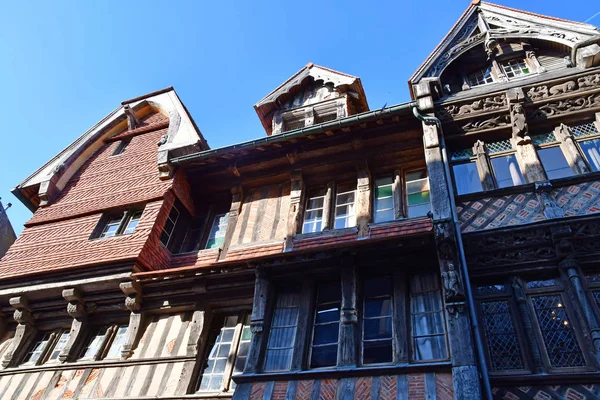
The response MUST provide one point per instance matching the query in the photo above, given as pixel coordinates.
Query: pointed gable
(487, 27)
(311, 95)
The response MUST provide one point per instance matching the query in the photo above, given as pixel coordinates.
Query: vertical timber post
(133, 302)
(76, 309)
(262, 294)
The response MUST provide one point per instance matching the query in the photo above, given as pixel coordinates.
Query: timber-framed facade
(441, 248)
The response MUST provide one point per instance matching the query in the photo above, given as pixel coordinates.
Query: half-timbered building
(436, 249)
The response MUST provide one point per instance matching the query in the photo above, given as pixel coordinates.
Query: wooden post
(199, 332)
(349, 317)
(400, 316)
(294, 219)
(133, 302)
(327, 202)
(24, 333)
(76, 309)
(570, 266)
(363, 200)
(525, 319)
(576, 160)
(597, 121)
(484, 167)
(234, 211)
(529, 163)
(307, 295)
(440, 206)
(262, 294)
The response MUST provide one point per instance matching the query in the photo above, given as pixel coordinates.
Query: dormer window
(515, 68)
(480, 77)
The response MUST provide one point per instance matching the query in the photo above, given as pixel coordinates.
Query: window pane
(507, 171)
(377, 327)
(60, 345)
(169, 226)
(377, 352)
(217, 231)
(344, 207)
(503, 346)
(111, 227)
(243, 347)
(282, 335)
(384, 200)
(313, 215)
(554, 162)
(515, 68)
(221, 341)
(590, 149)
(94, 343)
(36, 351)
(480, 77)
(466, 178)
(117, 343)
(427, 317)
(326, 325)
(559, 339)
(132, 223)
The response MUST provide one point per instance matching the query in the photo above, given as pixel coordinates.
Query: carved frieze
(487, 122)
(508, 26)
(542, 92)
(565, 106)
(457, 111)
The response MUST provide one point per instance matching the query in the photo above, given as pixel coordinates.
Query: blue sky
(66, 64)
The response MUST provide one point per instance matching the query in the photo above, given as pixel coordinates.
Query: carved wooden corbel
(76, 309)
(520, 130)
(24, 332)
(132, 120)
(543, 191)
(133, 302)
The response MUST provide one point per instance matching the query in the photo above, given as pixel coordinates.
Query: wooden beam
(294, 218)
(234, 211)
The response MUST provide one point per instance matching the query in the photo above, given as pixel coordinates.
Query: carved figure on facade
(487, 123)
(563, 88)
(565, 106)
(452, 285)
(520, 131)
(590, 81)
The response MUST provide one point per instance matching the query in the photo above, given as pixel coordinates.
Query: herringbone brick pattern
(362, 388)
(304, 390)
(568, 392)
(388, 388)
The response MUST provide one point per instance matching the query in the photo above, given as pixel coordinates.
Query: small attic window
(121, 147)
(515, 68)
(480, 77)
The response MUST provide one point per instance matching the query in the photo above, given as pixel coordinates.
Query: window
(313, 216)
(464, 168)
(167, 233)
(377, 327)
(480, 77)
(551, 156)
(121, 147)
(344, 206)
(589, 140)
(549, 310)
(105, 341)
(226, 352)
(326, 325)
(46, 347)
(515, 68)
(217, 231)
(383, 209)
(504, 164)
(417, 193)
(427, 318)
(117, 224)
(282, 335)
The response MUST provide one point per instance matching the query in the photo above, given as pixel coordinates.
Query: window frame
(313, 326)
(124, 218)
(586, 138)
(101, 353)
(121, 147)
(548, 145)
(334, 204)
(404, 195)
(324, 213)
(51, 338)
(227, 383)
(209, 228)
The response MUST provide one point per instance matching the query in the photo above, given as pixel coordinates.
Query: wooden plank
(277, 214)
(400, 317)
(363, 200)
(303, 328)
(315, 393)
(327, 206)
(268, 395)
(401, 387)
(236, 204)
(292, 388)
(242, 392)
(430, 386)
(349, 320)
(262, 204)
(345, 389)
(376, 388)
(262, 293)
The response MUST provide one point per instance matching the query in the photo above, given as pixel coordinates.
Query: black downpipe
(481, 359)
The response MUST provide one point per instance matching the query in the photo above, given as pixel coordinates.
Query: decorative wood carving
(132, 120)
(294, 219)
(76, 309)
(349, 315)
(561, 107)
(488, 122)
(363, 200)
(486, 176)
(551, 209)
(133, 302)
(23, 334)
(237, 197)
(463, 110)
(262, 294)
(520, 131)
(571, 150)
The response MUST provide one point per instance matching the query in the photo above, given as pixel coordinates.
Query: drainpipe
(481, 360)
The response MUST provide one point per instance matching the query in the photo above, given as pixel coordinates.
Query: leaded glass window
(313, 215)
(586, 135)
(326, 325)
(480, 77)
(503, 346)
(427, 318)
(216, 236)
(377, 326)
(556, 330)
(417, 193)
(226, 352)
(63, 338)
(282, 335)
(344, 206)
(384, 199)
(515, 68)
